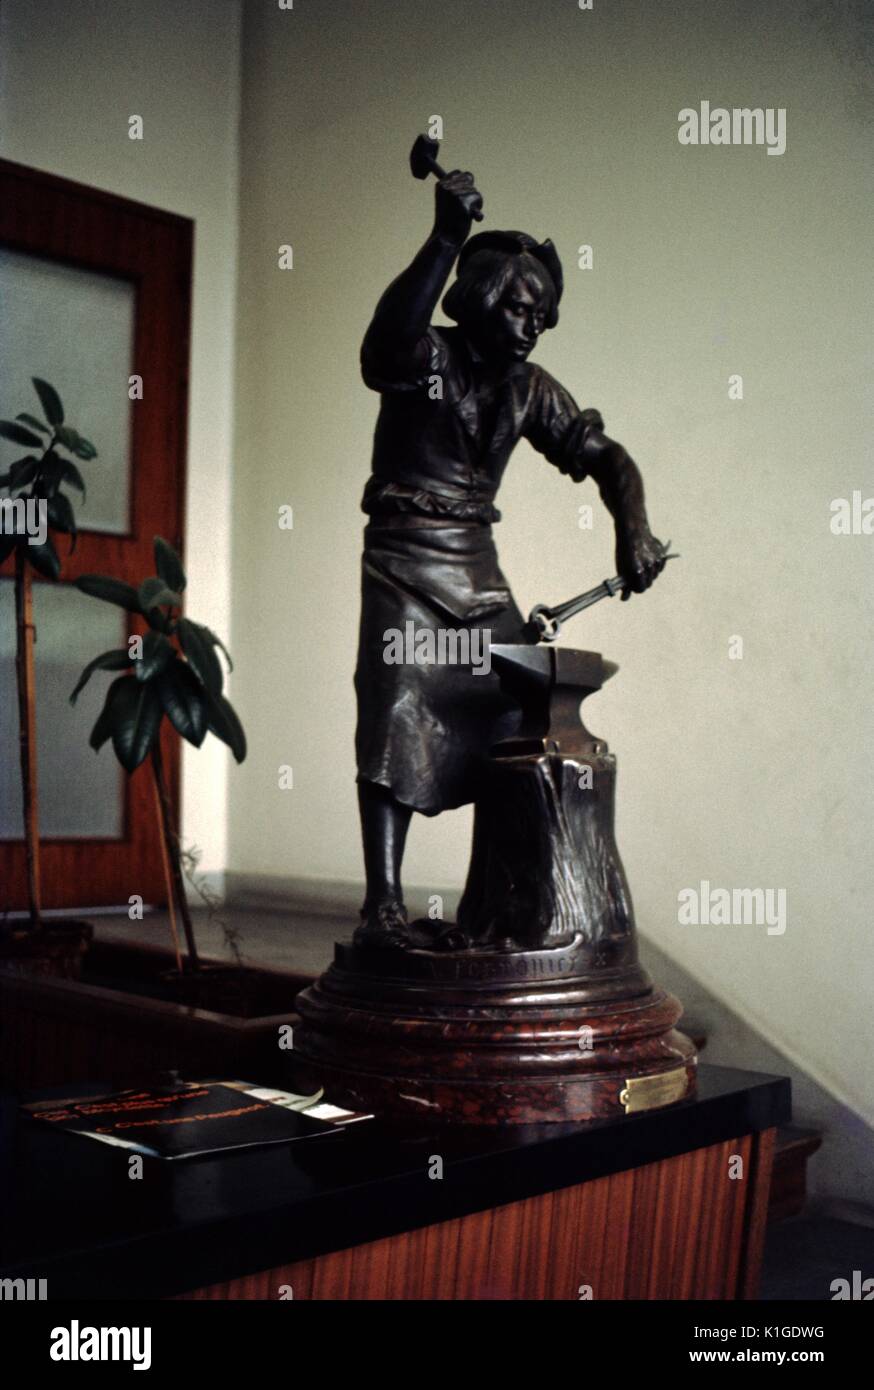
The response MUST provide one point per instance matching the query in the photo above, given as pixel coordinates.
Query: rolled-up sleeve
(556, 427)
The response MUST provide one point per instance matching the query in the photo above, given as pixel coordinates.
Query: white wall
(751, 773)
(70, 76)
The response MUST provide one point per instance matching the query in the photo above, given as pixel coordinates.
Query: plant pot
(122, 1022)
(55, 950)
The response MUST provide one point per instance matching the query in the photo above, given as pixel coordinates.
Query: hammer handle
(439, 172)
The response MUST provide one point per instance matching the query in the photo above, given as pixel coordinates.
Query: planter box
(56, 949)
(113, 1024)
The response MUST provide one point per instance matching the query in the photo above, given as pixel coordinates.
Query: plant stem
(171, 841)
(168, 880)
(24, 670)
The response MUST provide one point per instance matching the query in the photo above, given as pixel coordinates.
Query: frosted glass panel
(80, 792)
(75, 329)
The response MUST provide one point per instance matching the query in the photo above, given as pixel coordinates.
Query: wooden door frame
(45, 215)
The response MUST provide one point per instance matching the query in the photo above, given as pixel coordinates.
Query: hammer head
(423, 156)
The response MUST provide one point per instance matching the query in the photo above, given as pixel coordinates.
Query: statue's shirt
(447, 428)
(445, 432)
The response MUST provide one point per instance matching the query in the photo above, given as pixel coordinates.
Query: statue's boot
(383, 924)
(437, 935)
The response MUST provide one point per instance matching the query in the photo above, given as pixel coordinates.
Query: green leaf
(169, 566)
(50, 469)
(18, 434)
(22, 472)
(72, 440)
(110, 590)
(183, 700)
(61, 514)
(116, 660)
(153, 593)
(69, 437)
(201, 656)
(157, 651)
(72, 477)
(49, 400)
(217, 642)
(103, 726)
(44, 558)
(32, 420)
(223, 722)
(50, 476)
(136, 719)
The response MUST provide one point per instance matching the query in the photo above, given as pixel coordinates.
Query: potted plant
(173, 671)
(37, 503)
(132, 1014)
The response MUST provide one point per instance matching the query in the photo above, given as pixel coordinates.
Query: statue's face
(511, 329)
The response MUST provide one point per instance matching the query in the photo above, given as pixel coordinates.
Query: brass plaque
(649, 1092)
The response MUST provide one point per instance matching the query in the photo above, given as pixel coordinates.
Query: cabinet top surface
(70, 1213)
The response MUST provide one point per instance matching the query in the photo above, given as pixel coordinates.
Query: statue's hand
(457, 201)
(640, 559)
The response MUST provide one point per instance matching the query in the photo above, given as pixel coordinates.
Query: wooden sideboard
(664, 1204)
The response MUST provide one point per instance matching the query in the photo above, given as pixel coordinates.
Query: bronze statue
(533, 1005)
(454, 402)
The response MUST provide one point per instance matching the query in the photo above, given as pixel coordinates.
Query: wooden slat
(672, 1230)
(757, 1216)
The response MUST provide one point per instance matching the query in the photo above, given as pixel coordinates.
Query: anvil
(550, 684)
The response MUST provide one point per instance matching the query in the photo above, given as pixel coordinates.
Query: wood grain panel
(679, 1229)
(753, 1239)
